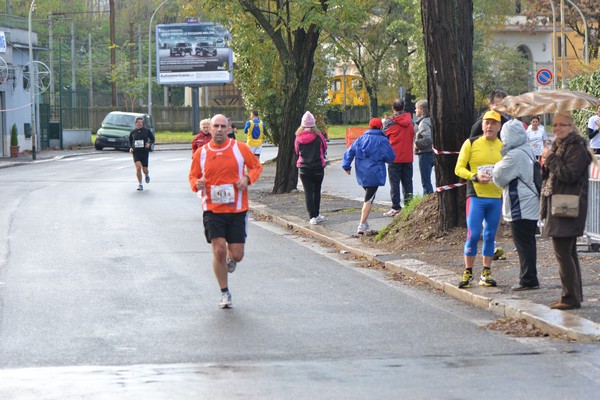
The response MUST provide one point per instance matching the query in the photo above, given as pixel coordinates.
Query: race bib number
(138, 144)
(486, 169)
(222, 194)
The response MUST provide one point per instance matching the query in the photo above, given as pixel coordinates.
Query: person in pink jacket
(310, 146)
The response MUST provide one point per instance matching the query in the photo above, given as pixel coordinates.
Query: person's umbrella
(545, 101)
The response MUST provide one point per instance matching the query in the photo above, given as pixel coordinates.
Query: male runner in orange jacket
(222, 170)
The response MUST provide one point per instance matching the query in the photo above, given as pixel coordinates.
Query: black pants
(523, 233)
(565, 250)
(311, 181)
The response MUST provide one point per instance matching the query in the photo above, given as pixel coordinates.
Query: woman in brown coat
(566, 171)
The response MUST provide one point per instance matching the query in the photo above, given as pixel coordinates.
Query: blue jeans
(400, 173)
(425, 166)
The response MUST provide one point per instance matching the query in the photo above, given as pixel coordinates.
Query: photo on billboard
(193, 54)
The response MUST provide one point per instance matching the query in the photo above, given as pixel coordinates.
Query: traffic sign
(544, 76)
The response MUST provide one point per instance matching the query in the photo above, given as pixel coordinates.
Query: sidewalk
(343, 215)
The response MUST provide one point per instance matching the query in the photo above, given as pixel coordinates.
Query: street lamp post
(150, 57)
(32, 76)
(585, 30)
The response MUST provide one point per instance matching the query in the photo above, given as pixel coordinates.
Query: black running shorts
(141, 156)
(231, 226)
(370, 193)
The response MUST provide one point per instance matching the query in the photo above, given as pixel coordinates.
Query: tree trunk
(297, 77)
(448, 36)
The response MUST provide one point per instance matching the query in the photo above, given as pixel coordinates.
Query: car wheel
(98, 147)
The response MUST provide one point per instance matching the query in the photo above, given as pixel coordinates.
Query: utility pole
(91, 91)
(51, 57)
(73, 69)
(131, 52)
(113, 57)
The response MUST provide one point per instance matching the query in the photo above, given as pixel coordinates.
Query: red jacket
(401, 133)
(200, 140)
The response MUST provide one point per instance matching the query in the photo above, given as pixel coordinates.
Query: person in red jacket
(401, 133)
(203, 137)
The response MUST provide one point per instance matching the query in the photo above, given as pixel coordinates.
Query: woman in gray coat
(521, 202)
(566, 171)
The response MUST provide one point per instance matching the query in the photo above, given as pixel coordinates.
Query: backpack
(255, 129)
(537, 176)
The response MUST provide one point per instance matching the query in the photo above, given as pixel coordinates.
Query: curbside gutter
(554, 322)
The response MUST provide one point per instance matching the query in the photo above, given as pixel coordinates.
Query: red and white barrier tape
(448, 187)
(436, 151)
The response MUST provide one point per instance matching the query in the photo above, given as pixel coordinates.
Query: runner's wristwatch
(474, 178)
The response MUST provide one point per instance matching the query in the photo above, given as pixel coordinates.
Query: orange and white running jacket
(222, 166)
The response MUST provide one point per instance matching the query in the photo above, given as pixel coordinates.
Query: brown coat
(571, 173)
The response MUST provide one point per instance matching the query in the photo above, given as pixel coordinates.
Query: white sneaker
(320, 218)
(392, 213)
(313, 221)
(362, 229)
(225, 300)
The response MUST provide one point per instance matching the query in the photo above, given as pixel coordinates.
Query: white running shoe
(140, 187)
(225, 300)
(320, 218)
(313, 221)
(362, 229)
(392, 213)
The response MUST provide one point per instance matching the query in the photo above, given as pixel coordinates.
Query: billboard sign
(193, 54)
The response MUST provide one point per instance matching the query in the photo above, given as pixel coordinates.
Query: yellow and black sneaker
(486, 278)
(467, 280)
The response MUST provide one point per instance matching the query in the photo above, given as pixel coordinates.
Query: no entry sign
(544, 76)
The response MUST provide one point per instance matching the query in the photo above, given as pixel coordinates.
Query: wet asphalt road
(108, 293)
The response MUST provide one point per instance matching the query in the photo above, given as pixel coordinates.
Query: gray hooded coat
(514, 174)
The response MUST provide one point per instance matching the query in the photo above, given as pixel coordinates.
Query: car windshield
(127, 121)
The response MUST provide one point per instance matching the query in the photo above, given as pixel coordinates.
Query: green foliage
(590, 84)
(374, 41)
(496, 65)
(14, 135)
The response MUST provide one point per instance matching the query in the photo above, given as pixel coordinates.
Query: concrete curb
(550, 321)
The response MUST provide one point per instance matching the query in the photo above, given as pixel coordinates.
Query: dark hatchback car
(116, 127)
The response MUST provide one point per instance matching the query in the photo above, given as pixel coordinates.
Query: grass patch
(404, 215)
(339, 131)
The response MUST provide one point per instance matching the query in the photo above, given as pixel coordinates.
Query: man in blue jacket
(371, 152)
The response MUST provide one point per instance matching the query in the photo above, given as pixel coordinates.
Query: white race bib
(138, 143)
(486, 169)
(222, 194)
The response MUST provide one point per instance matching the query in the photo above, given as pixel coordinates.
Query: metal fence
(592, 223)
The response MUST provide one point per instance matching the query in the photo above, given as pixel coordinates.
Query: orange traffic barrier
(352, 134)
